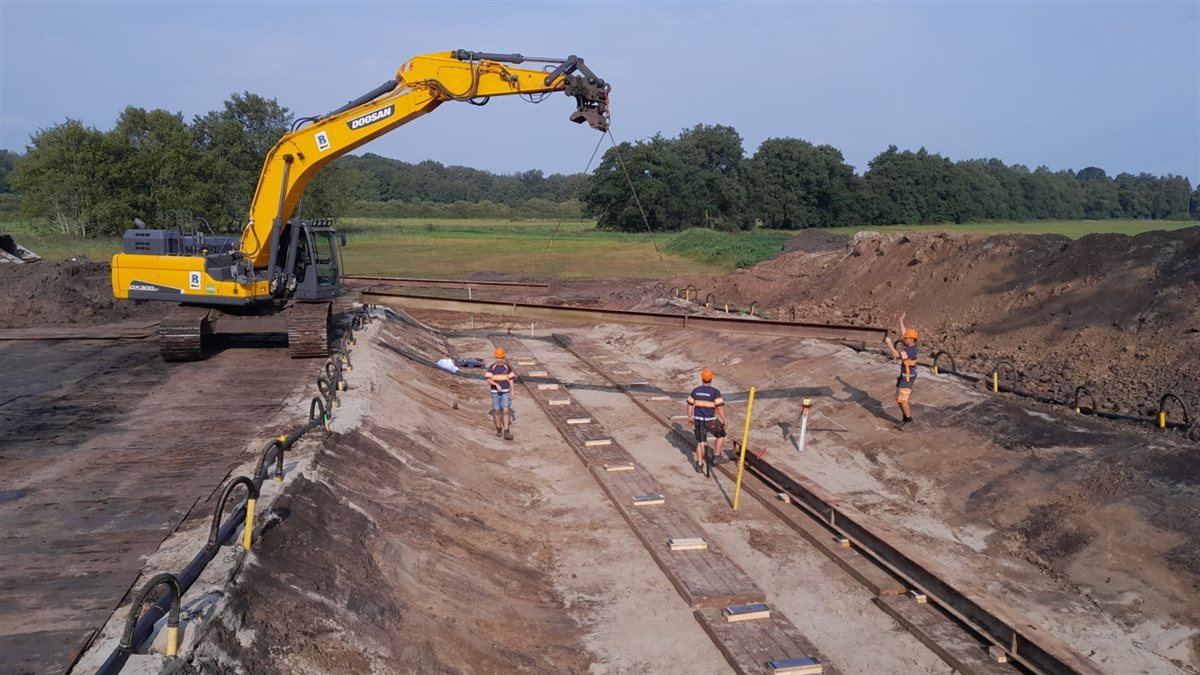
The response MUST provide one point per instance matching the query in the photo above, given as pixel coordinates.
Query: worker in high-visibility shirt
(908, 369)
(706, 411)
(500, 378)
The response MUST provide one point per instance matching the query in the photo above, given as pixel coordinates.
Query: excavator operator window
(327, 257)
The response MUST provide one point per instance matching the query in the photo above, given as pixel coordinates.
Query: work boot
(499, 432)
(507, 435)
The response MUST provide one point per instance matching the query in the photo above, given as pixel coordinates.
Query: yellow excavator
(283, 274)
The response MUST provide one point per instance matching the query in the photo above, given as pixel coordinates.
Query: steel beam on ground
(593, 315)
(413, 282)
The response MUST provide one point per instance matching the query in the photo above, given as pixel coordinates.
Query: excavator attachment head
(593, 117)
(590, 92)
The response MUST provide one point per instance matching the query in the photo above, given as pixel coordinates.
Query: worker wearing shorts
(706, 411)
(500, 378)
(908, 369)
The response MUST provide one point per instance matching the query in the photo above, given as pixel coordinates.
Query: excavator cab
(319, 261)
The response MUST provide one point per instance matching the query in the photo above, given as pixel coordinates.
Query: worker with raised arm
(908, 368)
(500, 378)
(706, 412)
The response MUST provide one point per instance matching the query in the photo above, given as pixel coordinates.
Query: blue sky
(1067, 85)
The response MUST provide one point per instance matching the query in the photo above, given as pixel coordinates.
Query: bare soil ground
(1119, 313)
(423, 543)
(52, 293)
(1089, 527)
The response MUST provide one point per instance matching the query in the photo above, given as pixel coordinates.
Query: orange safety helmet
(706, 375)
(911, 334)
(499, 352)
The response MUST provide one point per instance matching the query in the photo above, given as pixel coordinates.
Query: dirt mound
(65, 292)
(815, 241)
(1117, 313)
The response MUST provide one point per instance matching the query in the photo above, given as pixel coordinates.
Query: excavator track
(308, 329)
(181, 333)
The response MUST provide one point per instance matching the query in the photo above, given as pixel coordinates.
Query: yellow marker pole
(1162, 420)
(737, 492)
(935, 369)
(172, 641)
(996, 381)
(248, 531)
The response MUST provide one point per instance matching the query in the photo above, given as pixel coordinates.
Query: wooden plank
(579, 420)
(547, 386)
(623, 466)
(648, 500)
(537, 373)
(559, 401)
(597, 442)
(687, 544)
(749, 645)
(936, 631)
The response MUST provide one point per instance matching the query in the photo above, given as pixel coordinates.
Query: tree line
(702, 178)
(88, 181)
(84, 180)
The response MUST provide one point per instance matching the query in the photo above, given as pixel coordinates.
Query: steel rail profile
(1024, 642)
(415, 282)
(167, 603)
(624, 316)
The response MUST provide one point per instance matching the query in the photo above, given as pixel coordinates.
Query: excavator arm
(420, 85)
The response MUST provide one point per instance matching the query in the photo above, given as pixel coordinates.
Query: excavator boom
(420, 86)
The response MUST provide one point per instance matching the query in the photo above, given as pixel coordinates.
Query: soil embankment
(1119, 314)
(55, 293)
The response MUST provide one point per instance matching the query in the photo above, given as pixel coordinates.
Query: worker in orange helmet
(706, 412)
(908, 368)
(500, 378)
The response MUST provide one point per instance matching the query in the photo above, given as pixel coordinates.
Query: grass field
(423, 247)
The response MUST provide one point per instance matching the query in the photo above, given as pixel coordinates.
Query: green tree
(157, 166)
(66, 177)
(694, 179)
(8, 162)
(792, 183)
(232, 143)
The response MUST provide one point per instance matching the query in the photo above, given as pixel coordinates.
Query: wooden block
(560, 401)
(648, 500)
(638, 384)
(597, 442)
(757, 610)
(998, 655)
(679, 417)
(544, 386)
(658, 398)
(784, 497)
(622, 372)
(687, 544)
(918, 596)
(537, 373)
(805, 665)
(842, 542)
(526, 363)
(618, 467)
(579, 420)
